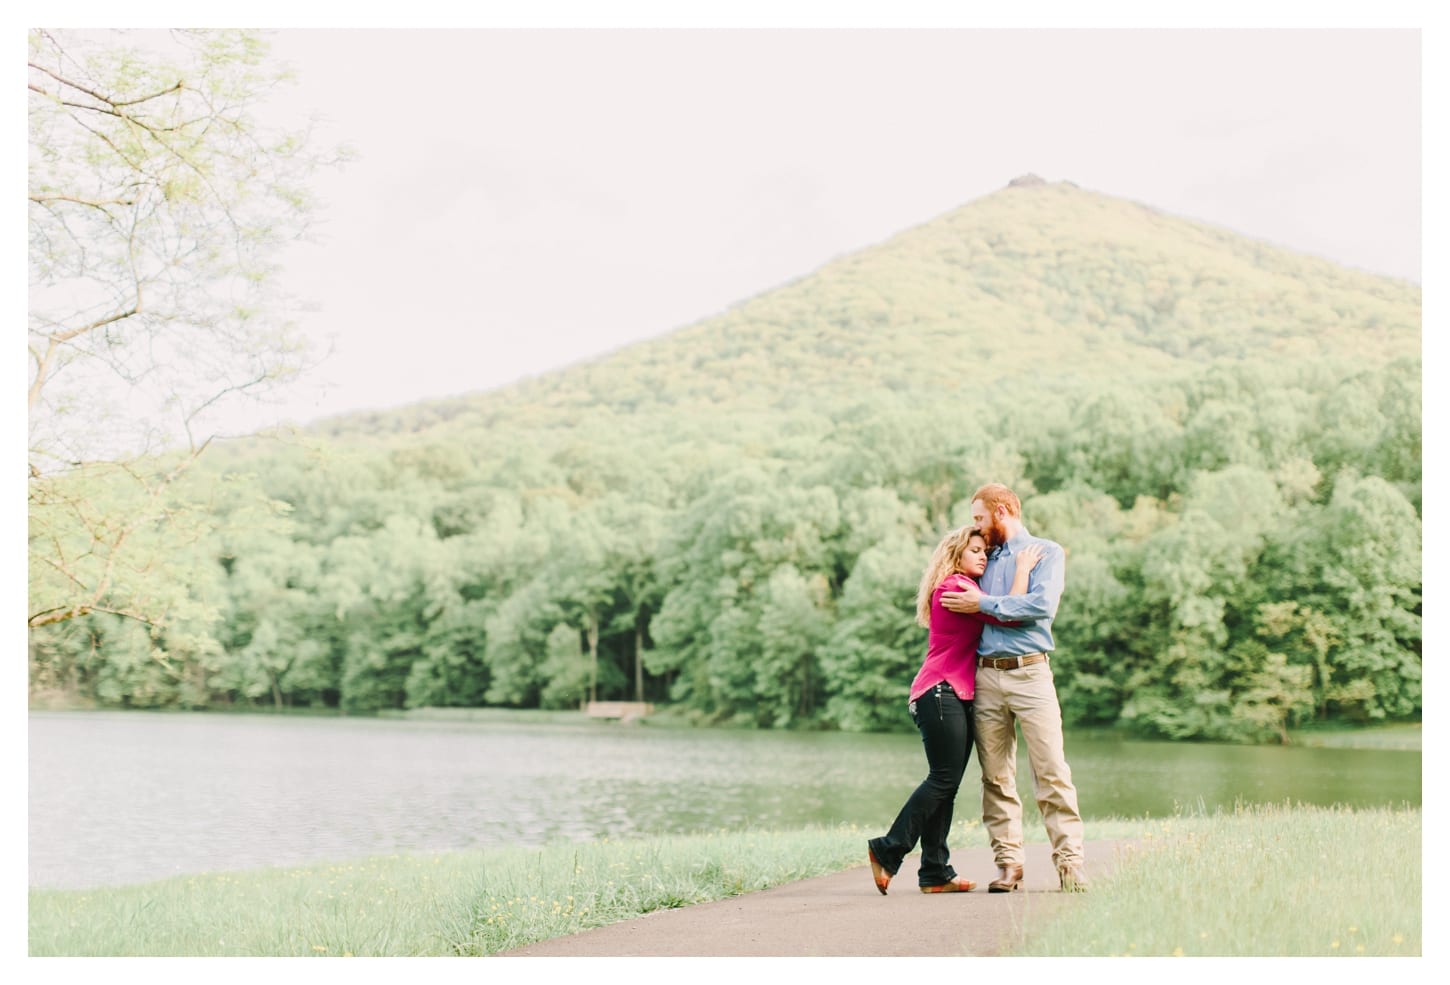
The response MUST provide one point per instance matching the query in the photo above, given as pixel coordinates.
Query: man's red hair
(994, 494)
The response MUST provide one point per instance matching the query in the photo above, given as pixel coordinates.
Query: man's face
(988, 523)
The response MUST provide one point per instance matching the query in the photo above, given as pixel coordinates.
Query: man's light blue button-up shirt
(1034, 611)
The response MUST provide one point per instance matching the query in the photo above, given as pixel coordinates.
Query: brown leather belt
(1011, 663)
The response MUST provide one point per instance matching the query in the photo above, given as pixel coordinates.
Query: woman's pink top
(951, 645)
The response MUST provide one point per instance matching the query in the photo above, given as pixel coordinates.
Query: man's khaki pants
(1026, 695)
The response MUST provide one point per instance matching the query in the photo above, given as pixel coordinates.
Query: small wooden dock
(625, 711)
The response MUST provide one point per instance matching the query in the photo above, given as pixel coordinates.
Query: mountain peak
(1030, 180)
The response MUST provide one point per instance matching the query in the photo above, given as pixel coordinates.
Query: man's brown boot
(1009, 878)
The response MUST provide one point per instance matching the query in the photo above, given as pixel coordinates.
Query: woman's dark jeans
(945, 722)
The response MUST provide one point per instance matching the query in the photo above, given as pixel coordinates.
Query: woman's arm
(1027, 559)
(1043, 593)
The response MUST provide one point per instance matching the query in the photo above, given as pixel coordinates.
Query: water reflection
(127, 797)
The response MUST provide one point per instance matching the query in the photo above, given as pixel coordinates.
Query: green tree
(272, 631)
(1276, 692)
(1102, 628)
(1315, 634)
(717, 559)
(567, 670)
(875, 647)
(452, 670)
(636, 527)
(518, 632)
(1195, 583)
(795, 624)
(1117, 441)
(1353, 567)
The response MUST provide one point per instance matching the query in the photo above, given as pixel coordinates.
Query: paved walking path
(842, 915)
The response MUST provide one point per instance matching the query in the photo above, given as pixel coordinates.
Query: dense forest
(1225, 436)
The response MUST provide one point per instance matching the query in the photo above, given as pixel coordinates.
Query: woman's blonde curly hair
(944, 561)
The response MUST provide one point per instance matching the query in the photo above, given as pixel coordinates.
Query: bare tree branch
(94, 203)
(96, 95)
(158, 203)
(58, 339)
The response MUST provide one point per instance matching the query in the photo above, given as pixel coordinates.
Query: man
(1014, 684)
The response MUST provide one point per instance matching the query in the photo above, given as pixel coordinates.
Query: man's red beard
(996, 533)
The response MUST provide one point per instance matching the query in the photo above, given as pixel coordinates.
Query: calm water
(122, 797)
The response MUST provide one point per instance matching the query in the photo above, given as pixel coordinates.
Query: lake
(126, 797)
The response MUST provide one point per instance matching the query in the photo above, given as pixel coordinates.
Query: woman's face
(973, 561)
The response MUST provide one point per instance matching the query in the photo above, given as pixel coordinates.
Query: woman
(941, 707)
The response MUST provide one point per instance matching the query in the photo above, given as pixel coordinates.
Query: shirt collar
(1014, 544)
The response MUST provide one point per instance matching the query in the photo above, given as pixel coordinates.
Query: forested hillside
(1224, 435)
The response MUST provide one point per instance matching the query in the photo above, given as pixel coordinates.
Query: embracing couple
(987, 598)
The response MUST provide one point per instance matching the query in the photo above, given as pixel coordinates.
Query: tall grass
(1255, 882)
(464, 903)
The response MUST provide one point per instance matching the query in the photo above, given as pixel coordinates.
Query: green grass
(1250, 882)
(1255, 882)
(464, 903)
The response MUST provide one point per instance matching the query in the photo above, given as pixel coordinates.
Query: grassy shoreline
(458, 903)
(1256, 881)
